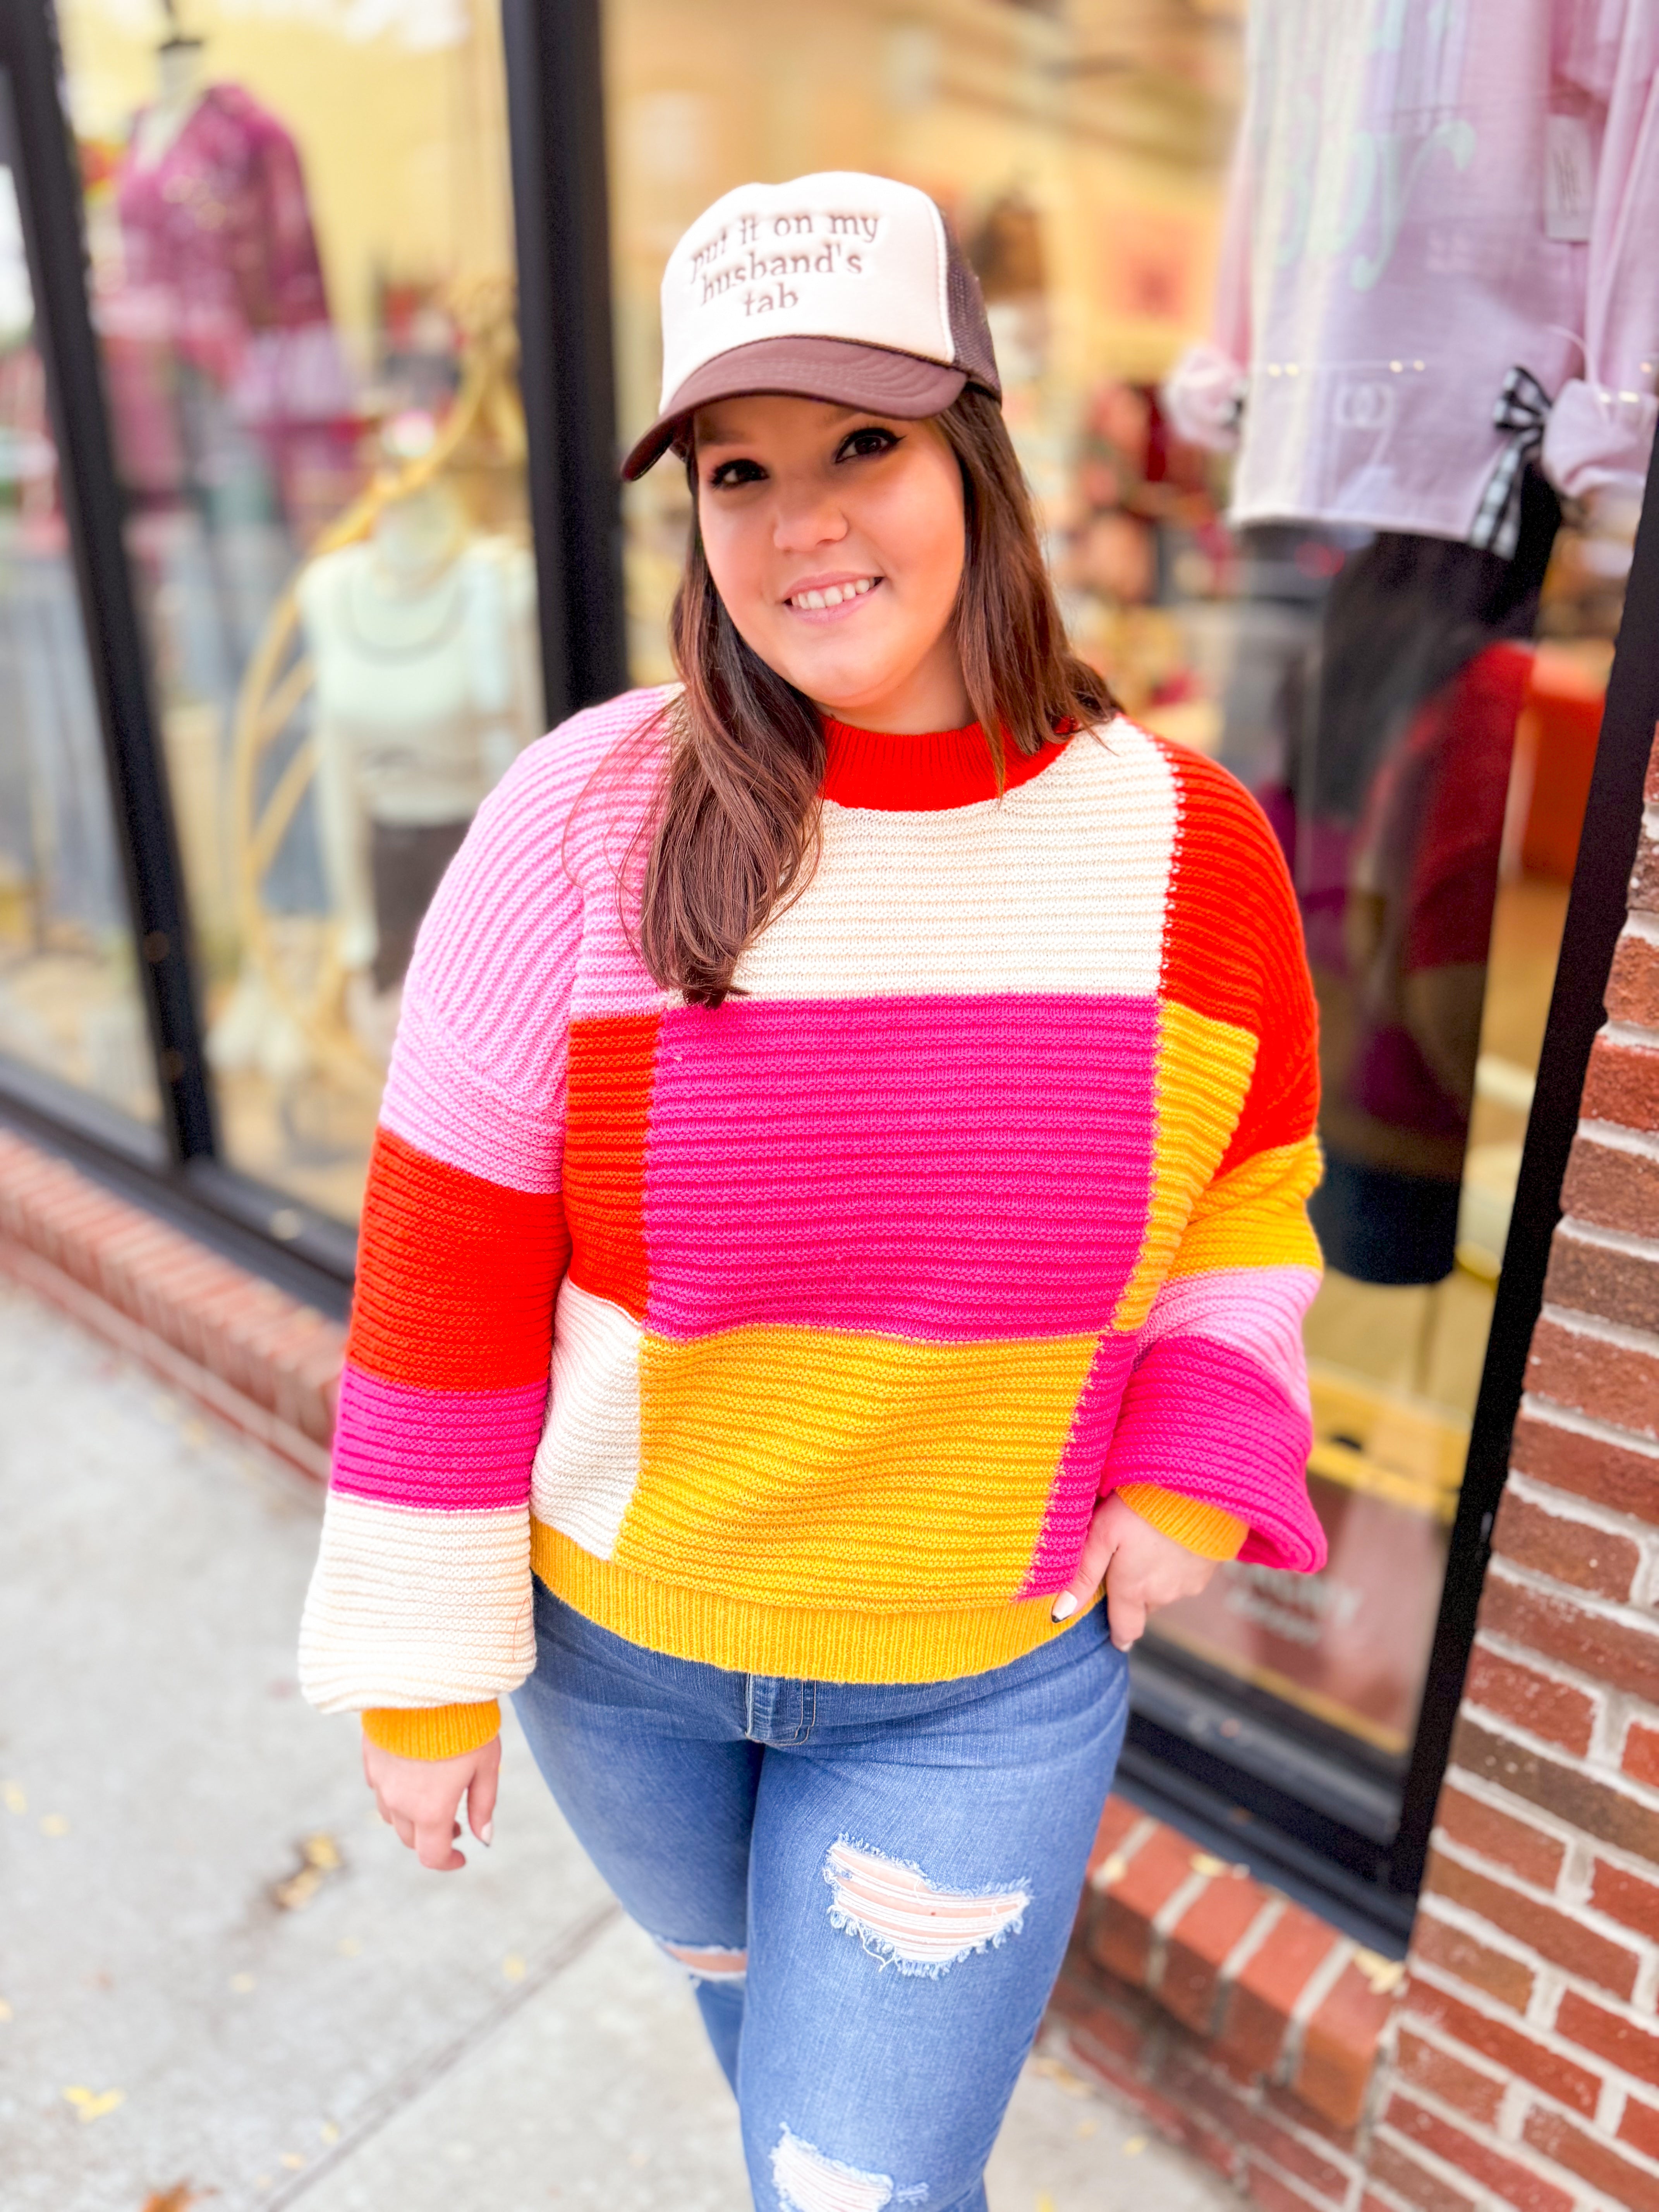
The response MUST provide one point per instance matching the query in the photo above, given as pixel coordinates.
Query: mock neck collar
(914, 773)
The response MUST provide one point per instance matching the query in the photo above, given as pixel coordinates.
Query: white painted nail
(486, 1834)
(1064, 1606)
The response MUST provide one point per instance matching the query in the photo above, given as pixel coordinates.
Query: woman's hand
(1143, 1569)
(419, 1798)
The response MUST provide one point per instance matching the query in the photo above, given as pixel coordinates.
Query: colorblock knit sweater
(802, 1335)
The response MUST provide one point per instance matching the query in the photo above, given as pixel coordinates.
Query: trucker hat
(839, 287)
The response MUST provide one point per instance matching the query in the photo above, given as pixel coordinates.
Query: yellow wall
(1111, 116)
(1111, 124)
(404, 148)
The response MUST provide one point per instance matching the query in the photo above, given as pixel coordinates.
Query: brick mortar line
(1134, 1839)
(1610, 2110)
(1174, 1909)
(1569, 1909)
(1473, 1862)
(1615, 1709)
(1588, 1513)
(1640, 925)
(1136, 2081)
(1313, 1993)
(1614, 1712)
(1642, 1795)
(1512, 2108)
(1550, 1825)
(180, 1291)
(1163, 1922)
(1348, 2164)
(1273, 1911)
(1602, 1331)
(1290, 2183)
(1618, 1612)
(1470, 1920)
(1443, 2040)
(1551, 2038)
(1635, 1036)
(1576, 1507)
(1573, 1228)
(1165, 2033)
(1518, 2153)
(1555, 1414)
(1585, 2197)
(1565, 1675)
(1617, 1137)
(1311, 2140)
(1454, 2177)
(1252, 2159)
(1390, 2199)
(114, 1325)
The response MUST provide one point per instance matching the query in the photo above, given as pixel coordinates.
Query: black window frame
(1298, 1815)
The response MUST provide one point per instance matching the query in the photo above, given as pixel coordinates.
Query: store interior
(299, 225)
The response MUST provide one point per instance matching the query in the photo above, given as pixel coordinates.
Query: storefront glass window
(70, 1003)
(300, 229)
(1335, 400)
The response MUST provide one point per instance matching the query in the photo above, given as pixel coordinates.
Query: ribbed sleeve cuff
(433, 1731)
(1209, 1530)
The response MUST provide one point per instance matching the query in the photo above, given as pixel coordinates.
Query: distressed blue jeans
(871, 1886)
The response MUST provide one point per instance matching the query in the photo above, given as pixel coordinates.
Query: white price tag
(1569, 177)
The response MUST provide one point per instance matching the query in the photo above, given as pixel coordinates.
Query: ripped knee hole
(808, 2181)
(707, 1962)
(908, 1920)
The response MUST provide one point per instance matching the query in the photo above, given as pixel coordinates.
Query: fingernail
(486, 1833)
(1064, 1606)
(1119, 1645)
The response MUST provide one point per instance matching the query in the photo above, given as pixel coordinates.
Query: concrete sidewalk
(220, 1973)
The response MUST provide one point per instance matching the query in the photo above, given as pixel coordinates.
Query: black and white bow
(1522, 409)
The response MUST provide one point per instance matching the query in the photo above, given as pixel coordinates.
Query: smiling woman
(835, 543)
(955, 626)
(803, 1270)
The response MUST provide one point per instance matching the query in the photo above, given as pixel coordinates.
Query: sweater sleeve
(419, 1612)
(1215, 1414)
(1600, 432)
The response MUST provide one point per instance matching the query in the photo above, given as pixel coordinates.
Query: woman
(877, 1085)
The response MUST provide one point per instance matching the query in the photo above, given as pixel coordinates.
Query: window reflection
(1258, 400)
(1432, 364)
(69, 995)
(301, 231)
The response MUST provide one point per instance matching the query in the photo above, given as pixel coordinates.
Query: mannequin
(223, 309)
(180, 81)
(423, 641)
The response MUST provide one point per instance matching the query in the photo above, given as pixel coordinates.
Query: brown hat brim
(836, 369)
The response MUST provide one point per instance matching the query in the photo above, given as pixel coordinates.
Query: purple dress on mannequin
(223, 300)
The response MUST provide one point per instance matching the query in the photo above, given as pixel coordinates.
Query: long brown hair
(736, 836)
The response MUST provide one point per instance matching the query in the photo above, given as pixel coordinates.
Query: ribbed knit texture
(802, 1335)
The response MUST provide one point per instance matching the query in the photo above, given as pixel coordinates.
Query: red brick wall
(262, 1362)
(1526, 2066)
(1243, 2026)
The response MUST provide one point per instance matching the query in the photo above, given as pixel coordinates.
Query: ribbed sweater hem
(803, 1644)
(1209, 1530)
(433, 1731)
